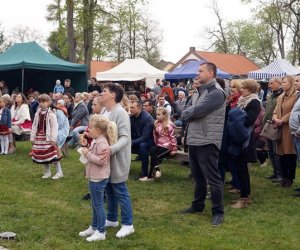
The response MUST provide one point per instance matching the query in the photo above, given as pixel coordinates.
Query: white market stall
(132, 70)
(278, 68)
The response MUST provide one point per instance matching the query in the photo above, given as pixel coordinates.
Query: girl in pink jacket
(165, 142)
(104, 133)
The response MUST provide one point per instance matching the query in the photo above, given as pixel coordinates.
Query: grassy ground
(48, 214)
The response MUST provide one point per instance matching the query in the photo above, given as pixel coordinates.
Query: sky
(181, 21)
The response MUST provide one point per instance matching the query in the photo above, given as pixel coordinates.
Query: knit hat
(57, 81)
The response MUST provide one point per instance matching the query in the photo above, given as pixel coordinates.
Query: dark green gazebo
(28, 65)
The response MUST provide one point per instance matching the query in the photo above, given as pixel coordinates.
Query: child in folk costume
(5, 126)
(104, 133)
(165, 142)
(44, 137)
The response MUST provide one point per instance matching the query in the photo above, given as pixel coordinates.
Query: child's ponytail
(112, 132)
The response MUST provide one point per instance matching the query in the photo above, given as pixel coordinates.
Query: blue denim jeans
(75, 133)
(297, 146)
(142, 149)
(97, 200)
(117, 193)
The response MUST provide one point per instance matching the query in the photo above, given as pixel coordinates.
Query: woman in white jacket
(21, 121)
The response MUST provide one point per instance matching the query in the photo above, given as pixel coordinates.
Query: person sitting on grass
(104, 133)
(165, 142)
(44, 137)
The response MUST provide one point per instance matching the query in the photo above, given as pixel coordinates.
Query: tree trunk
(88, 31)
(70, 31)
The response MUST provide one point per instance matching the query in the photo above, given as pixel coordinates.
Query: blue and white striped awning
(278, 68)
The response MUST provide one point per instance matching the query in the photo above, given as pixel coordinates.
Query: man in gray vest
(205, 118)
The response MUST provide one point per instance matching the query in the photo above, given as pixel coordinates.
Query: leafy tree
(108, 28)
(58, 43)
(55, 12)
(254, 39)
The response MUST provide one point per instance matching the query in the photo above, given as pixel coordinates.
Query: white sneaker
(96, 236)
(146, 179)
(157, 174)
(109, 223)
(46, 175)
(89, 232)
(57, 176)
(125, 231)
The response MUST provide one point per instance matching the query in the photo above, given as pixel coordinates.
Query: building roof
(164, 65)
(100, 66)
(234, 64)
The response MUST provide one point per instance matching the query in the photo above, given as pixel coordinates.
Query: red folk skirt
(4, 130)
(43, 152)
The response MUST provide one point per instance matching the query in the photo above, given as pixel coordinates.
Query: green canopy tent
(27, 65)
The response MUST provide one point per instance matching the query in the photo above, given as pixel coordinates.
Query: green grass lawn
(48, 214)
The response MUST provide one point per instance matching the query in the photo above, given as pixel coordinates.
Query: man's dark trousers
(142, 149)
(204, 168)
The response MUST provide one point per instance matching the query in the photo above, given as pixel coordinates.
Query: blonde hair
(237, 83)
(276, 79)
(80, 95)
(2, 99)
(7, 99)
(125, 103)
(107, 127)
(166, 115)
(291, 80)
(85, 94)
(250, 84)
(133, 98)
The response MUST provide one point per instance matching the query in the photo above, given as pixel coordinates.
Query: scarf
(233, 99)
(244, 101)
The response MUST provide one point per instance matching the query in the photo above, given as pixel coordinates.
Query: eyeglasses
(233, 87)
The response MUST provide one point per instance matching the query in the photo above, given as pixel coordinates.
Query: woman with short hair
(250, 105)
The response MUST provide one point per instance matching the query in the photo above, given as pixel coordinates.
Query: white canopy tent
(132, 70)
(279, 68)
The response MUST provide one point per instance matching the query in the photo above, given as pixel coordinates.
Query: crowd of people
(221, 130)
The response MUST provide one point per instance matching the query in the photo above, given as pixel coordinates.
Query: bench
(180, 156)
(23, 137)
